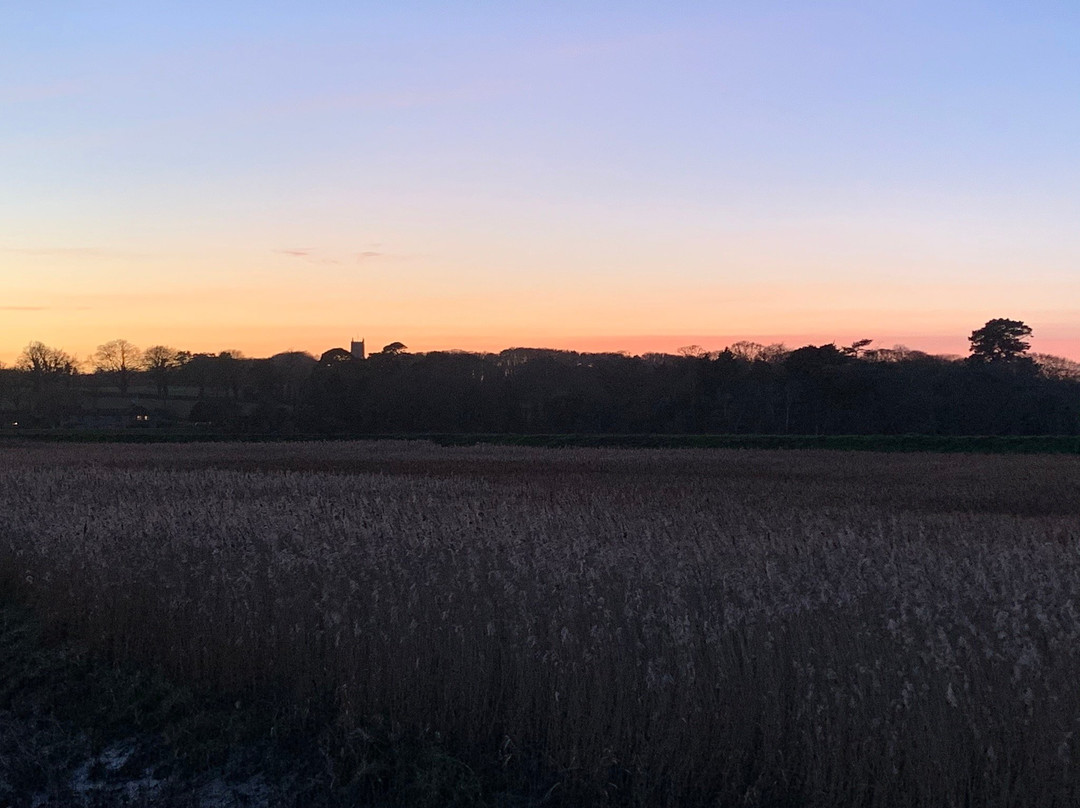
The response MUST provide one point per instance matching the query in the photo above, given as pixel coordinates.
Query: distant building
(357, 349)
(134, 416)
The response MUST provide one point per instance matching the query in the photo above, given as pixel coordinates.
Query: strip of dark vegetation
(746, 390)
(977, 444)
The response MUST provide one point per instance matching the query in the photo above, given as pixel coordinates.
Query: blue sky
(487, 174)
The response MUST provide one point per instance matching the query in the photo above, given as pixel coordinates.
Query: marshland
(586, 625)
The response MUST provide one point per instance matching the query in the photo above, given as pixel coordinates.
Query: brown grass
(656, 626)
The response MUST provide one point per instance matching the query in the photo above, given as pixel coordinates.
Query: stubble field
(631, 627)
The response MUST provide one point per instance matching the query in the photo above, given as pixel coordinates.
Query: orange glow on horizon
(263, 307)
(260, 344)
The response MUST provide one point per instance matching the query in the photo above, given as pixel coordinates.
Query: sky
(585, 175)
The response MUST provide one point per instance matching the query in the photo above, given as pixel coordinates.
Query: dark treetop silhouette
(1000, 340)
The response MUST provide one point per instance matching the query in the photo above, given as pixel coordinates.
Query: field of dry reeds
(648, 627)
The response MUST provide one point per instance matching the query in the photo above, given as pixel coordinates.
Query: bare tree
(118, 358)
(746, 350)
(1057, 367)
(693, 352)
(44, 363)
(160, 361)
(774, 352)
(37, 357)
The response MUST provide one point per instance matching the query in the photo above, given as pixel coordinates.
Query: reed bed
(651, 627)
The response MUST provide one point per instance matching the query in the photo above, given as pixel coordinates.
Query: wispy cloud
(307, 254)
(313, 256)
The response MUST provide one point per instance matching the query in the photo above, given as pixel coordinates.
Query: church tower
(357, 349)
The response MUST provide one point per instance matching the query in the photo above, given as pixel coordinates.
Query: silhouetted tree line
(744, 389)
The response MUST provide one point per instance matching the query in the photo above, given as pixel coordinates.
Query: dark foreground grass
(78, 730)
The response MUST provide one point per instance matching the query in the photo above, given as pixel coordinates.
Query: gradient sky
(592, 175)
